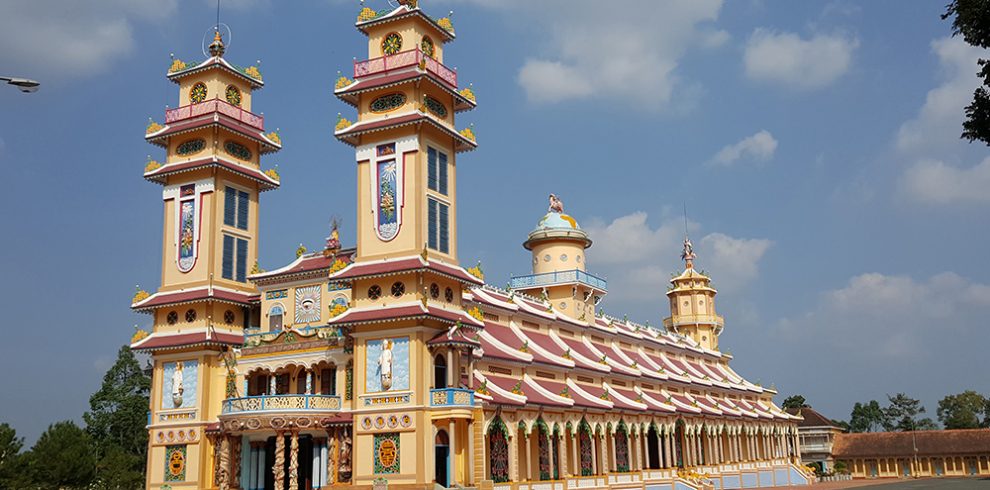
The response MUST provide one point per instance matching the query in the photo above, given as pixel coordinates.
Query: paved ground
(895, 484)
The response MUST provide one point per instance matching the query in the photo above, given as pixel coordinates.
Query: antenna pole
(685, 220)
(217, 28)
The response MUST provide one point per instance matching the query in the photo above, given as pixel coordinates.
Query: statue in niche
(385, 365)
(345, 455)
(556, 205)
(177, 385)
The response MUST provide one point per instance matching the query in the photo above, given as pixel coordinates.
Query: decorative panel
(308, 304)
(387, 365)
(175, 463)
(387, 453)
(386, 103)
(179, 384)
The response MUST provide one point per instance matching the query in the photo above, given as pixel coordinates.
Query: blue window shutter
(229, 205)
(443, 174)
(444, 229)
(431, 169)
(242, 260)
(431, 231)
(242, 210)
(227, 267)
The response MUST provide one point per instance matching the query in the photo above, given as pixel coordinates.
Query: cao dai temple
(389, 364)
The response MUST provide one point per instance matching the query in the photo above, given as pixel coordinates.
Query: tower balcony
(451, 397)
(673, 322)
(215, 105)
(405, 59)
(281, 403)
(556, 278)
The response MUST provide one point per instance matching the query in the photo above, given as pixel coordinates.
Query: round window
(197, 93)
(449, 295)
(434, 291)
(375, 292)
(398, 289)
(392, 44)
(190, 315)
(228, 317)
(427, 46)
(578, 258)
(546, 258)
(563, 305)
(233, 95)
(172, 318)
(563, 257)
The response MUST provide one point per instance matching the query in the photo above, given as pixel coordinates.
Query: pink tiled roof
(159, 341)
(191, 295)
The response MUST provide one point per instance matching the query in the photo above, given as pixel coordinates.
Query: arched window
(498, 451)
(275, 318)
(621, 448)
(439, 372)
(442, 458)
(328, 381)
(653, 448)
(584, 440)
(543, 448)
(679, 442)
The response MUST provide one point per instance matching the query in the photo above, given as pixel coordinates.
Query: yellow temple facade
(391, 365)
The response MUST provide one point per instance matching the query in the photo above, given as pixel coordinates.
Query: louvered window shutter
(227, 267)
(242, 210)
(431, 230)
(443, 173)
(444, 229)
(242, 249)
(431, 169)
(229, 205)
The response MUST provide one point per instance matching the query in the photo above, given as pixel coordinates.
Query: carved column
(562, 456)
(575, 464)
(594, 455)
(332, 446)
(235, 461)
(294, 462)
(278, 471)
(514, 456)
(529, 458)
(223, 465)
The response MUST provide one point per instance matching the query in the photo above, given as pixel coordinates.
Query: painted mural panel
(387, 366)
(179, 384)
(388, 216)
(308, 304)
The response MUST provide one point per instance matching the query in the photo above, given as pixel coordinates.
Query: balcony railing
(281, 403)
(693, 320)
(214, 105)
(405, 59)
(558, 277)
(451, 397)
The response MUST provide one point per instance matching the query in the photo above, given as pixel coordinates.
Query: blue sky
(815, 145)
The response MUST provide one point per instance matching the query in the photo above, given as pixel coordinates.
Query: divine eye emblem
(391, 44)
(197, 93)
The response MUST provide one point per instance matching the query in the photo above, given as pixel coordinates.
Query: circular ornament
(233, 95)
(190, 315)
(375, 292)
(190, 146)
(546, 258)
(406, 420)
(197, 93)
(449, 295)
(435, 106)
(237, 150)
(177, 461)
(228, 317)
(387, 453)
(393, 421)
(391, 44)
(172, 318)
(426, 45)
(379, 422)
(398, 289)
(563, 257)
(386, 103)
(366, 423)
(434, 291)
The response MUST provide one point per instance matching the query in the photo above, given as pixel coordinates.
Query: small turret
(692, 304)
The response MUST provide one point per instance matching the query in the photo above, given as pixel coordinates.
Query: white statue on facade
(688, 252)
(385, 365)
(177, 385)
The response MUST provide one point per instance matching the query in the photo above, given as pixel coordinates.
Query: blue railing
(558, 277)
(452, 397)
(281, 403)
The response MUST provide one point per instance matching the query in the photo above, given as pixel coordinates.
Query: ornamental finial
(687, 254)
(333, 241)
(556, 205)
(216, 47)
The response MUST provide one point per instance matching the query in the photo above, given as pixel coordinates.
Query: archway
(653, 447)
(543, 449)
(498, 451)
(679, 442)
(585, 449)
(442, 458)
(621, 448)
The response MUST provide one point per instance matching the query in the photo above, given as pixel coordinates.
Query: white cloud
(66, 38)
(785, 58)
(939, 121)
(759, 147)
(936, 182)
(596, 54)
(638, 259)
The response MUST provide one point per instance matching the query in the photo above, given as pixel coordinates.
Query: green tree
(63, 458)
(963, 411)
(971, 19)
(901, 414)
(10, 457)
(116, 422)
(867, 417)
(795, 401)
(841, 423)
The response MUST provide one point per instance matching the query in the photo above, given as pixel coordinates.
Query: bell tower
(692, 304)
(212, 179)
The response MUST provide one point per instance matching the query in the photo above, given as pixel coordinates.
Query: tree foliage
(867, 417)
(10, 457)
(116, 422)
(902, 413)
(971, 19)
(62, 458)
(963, 411)
(795, 402)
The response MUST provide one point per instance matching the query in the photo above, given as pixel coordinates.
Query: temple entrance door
(679, 442)
(653, 448)
(305, 461)
(938, 468)
(269, 463)
(442, 459)
(439, 372)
